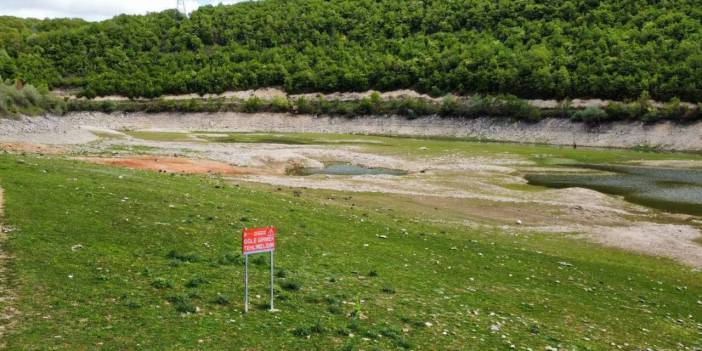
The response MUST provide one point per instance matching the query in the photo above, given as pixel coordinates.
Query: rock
(519, 221)
(495, 328)
(428, 324)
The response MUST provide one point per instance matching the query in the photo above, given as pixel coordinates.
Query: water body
(677, 190)
(349, 169)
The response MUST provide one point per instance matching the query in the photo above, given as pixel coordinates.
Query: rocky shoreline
(77, 128)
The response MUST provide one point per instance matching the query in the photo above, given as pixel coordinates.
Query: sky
(92, 10)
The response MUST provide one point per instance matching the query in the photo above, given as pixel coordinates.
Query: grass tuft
(161, 283)
(195, 282)
(291, 285)
(182, 303)
(189, 257)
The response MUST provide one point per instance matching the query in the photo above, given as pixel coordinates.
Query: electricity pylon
(180, 6)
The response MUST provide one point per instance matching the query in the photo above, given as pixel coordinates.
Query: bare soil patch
(32, 148)
(173, 165)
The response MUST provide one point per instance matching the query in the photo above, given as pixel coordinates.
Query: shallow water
(677, 190)
(349, 169)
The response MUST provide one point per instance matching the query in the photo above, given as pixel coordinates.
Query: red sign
(258, 240)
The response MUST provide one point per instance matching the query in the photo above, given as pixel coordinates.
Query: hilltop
(606, 49)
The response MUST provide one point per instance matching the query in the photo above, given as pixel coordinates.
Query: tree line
(497, 106)
(615, 49)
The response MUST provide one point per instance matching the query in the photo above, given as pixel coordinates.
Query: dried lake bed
(516, 188)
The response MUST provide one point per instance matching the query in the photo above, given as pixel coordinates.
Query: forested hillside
(530, 48)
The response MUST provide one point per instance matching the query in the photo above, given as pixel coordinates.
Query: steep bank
(83, 127)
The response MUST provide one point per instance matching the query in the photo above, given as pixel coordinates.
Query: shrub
(449, 106)
(279, 104)
(674, 110)
(27, 100)
(512, 106)
(590, 115)
(304, 106)
(182, 303)
(619, 111)
(108, 106)
(32, 95)
(252, 104)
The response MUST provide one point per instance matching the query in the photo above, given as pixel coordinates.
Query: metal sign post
(253, 241)
(246, 283)
(272, 309)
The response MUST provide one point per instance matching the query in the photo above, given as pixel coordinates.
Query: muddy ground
(471, 190)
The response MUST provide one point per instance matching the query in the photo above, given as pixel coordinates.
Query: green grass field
(545, 155)
(114, 259)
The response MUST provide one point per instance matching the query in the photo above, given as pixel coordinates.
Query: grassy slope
(127, 227)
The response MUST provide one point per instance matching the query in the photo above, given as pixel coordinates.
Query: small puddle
(349, 169)
(675, 190)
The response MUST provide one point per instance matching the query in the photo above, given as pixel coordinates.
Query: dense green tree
(530, 48)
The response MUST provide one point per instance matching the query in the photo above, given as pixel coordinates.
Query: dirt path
(167, 164)
(7, 312)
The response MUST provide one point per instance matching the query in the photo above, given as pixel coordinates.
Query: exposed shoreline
(76, 128)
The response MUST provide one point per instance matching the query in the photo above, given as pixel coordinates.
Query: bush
(279, 104)
(512, 106)
(619, 111)
(27, 100)
(182, 303)
(303, 106)
(252, 104)
(674, 110)
(590, 115)
(108, 106)
(449, 106)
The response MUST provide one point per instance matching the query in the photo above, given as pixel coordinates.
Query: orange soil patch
(172, 165)
(31, 148)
